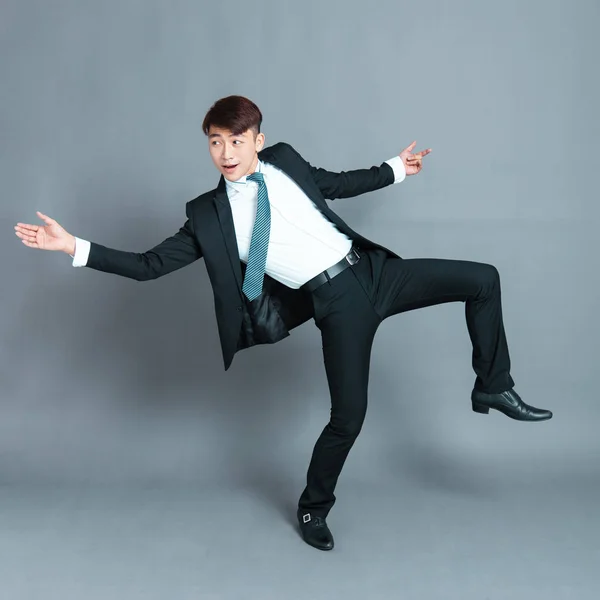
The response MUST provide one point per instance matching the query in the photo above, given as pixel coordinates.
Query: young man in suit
(277, 255)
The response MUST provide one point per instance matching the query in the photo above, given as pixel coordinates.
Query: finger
(419, 155)
(30, 244)
(26, 227)
(26, 236)
(409, 148)
(45, 218)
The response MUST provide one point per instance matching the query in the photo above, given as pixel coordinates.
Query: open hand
(413, 163)
(48, 237)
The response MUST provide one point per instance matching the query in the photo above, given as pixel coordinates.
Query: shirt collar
(238, 184)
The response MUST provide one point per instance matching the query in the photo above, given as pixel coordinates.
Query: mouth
(230, 168)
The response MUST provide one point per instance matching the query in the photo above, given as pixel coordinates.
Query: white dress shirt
(302, 241)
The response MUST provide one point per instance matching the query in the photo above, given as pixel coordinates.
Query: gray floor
(493, 536)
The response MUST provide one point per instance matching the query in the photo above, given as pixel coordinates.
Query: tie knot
(258, 177)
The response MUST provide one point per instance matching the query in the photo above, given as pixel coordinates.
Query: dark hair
(235, 113)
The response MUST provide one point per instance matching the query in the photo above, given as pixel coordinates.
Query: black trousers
(348, 310)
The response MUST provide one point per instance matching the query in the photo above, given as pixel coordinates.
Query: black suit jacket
(209, 233)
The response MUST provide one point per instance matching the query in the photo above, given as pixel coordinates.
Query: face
(234, 155)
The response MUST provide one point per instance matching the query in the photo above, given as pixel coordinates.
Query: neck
(254, 165)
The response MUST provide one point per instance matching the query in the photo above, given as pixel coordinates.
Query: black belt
(350, 259)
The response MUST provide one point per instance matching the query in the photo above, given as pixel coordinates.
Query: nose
(227, 151)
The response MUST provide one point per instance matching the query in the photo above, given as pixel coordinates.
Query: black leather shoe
(510, 404)
(315, 531)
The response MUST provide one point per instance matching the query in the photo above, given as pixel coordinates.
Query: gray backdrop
(133, 466)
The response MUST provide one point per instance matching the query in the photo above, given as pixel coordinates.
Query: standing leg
(348, 324)
(346, 352)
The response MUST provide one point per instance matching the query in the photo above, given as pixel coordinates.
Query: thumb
(45, 218)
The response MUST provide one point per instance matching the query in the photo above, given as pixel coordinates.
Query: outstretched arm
(173, 253)
(347, 184)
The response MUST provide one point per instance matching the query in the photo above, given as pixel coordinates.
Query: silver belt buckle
(353, 256)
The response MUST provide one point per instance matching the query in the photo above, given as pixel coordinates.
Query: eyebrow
(214, 135)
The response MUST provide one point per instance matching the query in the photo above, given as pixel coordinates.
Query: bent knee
(488, 275)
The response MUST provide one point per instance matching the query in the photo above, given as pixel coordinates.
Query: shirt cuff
(82, 252)
(398, 167)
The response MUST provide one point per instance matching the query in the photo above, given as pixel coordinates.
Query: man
(277, 255)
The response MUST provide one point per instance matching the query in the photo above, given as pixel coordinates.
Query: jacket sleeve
(177, 251)
(347, 184)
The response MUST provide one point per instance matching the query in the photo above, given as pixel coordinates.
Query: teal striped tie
(259, 243)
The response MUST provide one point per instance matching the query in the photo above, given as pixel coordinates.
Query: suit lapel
(227, 227)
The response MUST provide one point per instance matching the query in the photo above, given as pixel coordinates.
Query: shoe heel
(480, 408)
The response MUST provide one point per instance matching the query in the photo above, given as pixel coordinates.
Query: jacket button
(239, 308)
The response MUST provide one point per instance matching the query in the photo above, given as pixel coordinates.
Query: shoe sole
(482, 409)
(318, 547)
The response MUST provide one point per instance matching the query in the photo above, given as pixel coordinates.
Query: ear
(260, 142)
